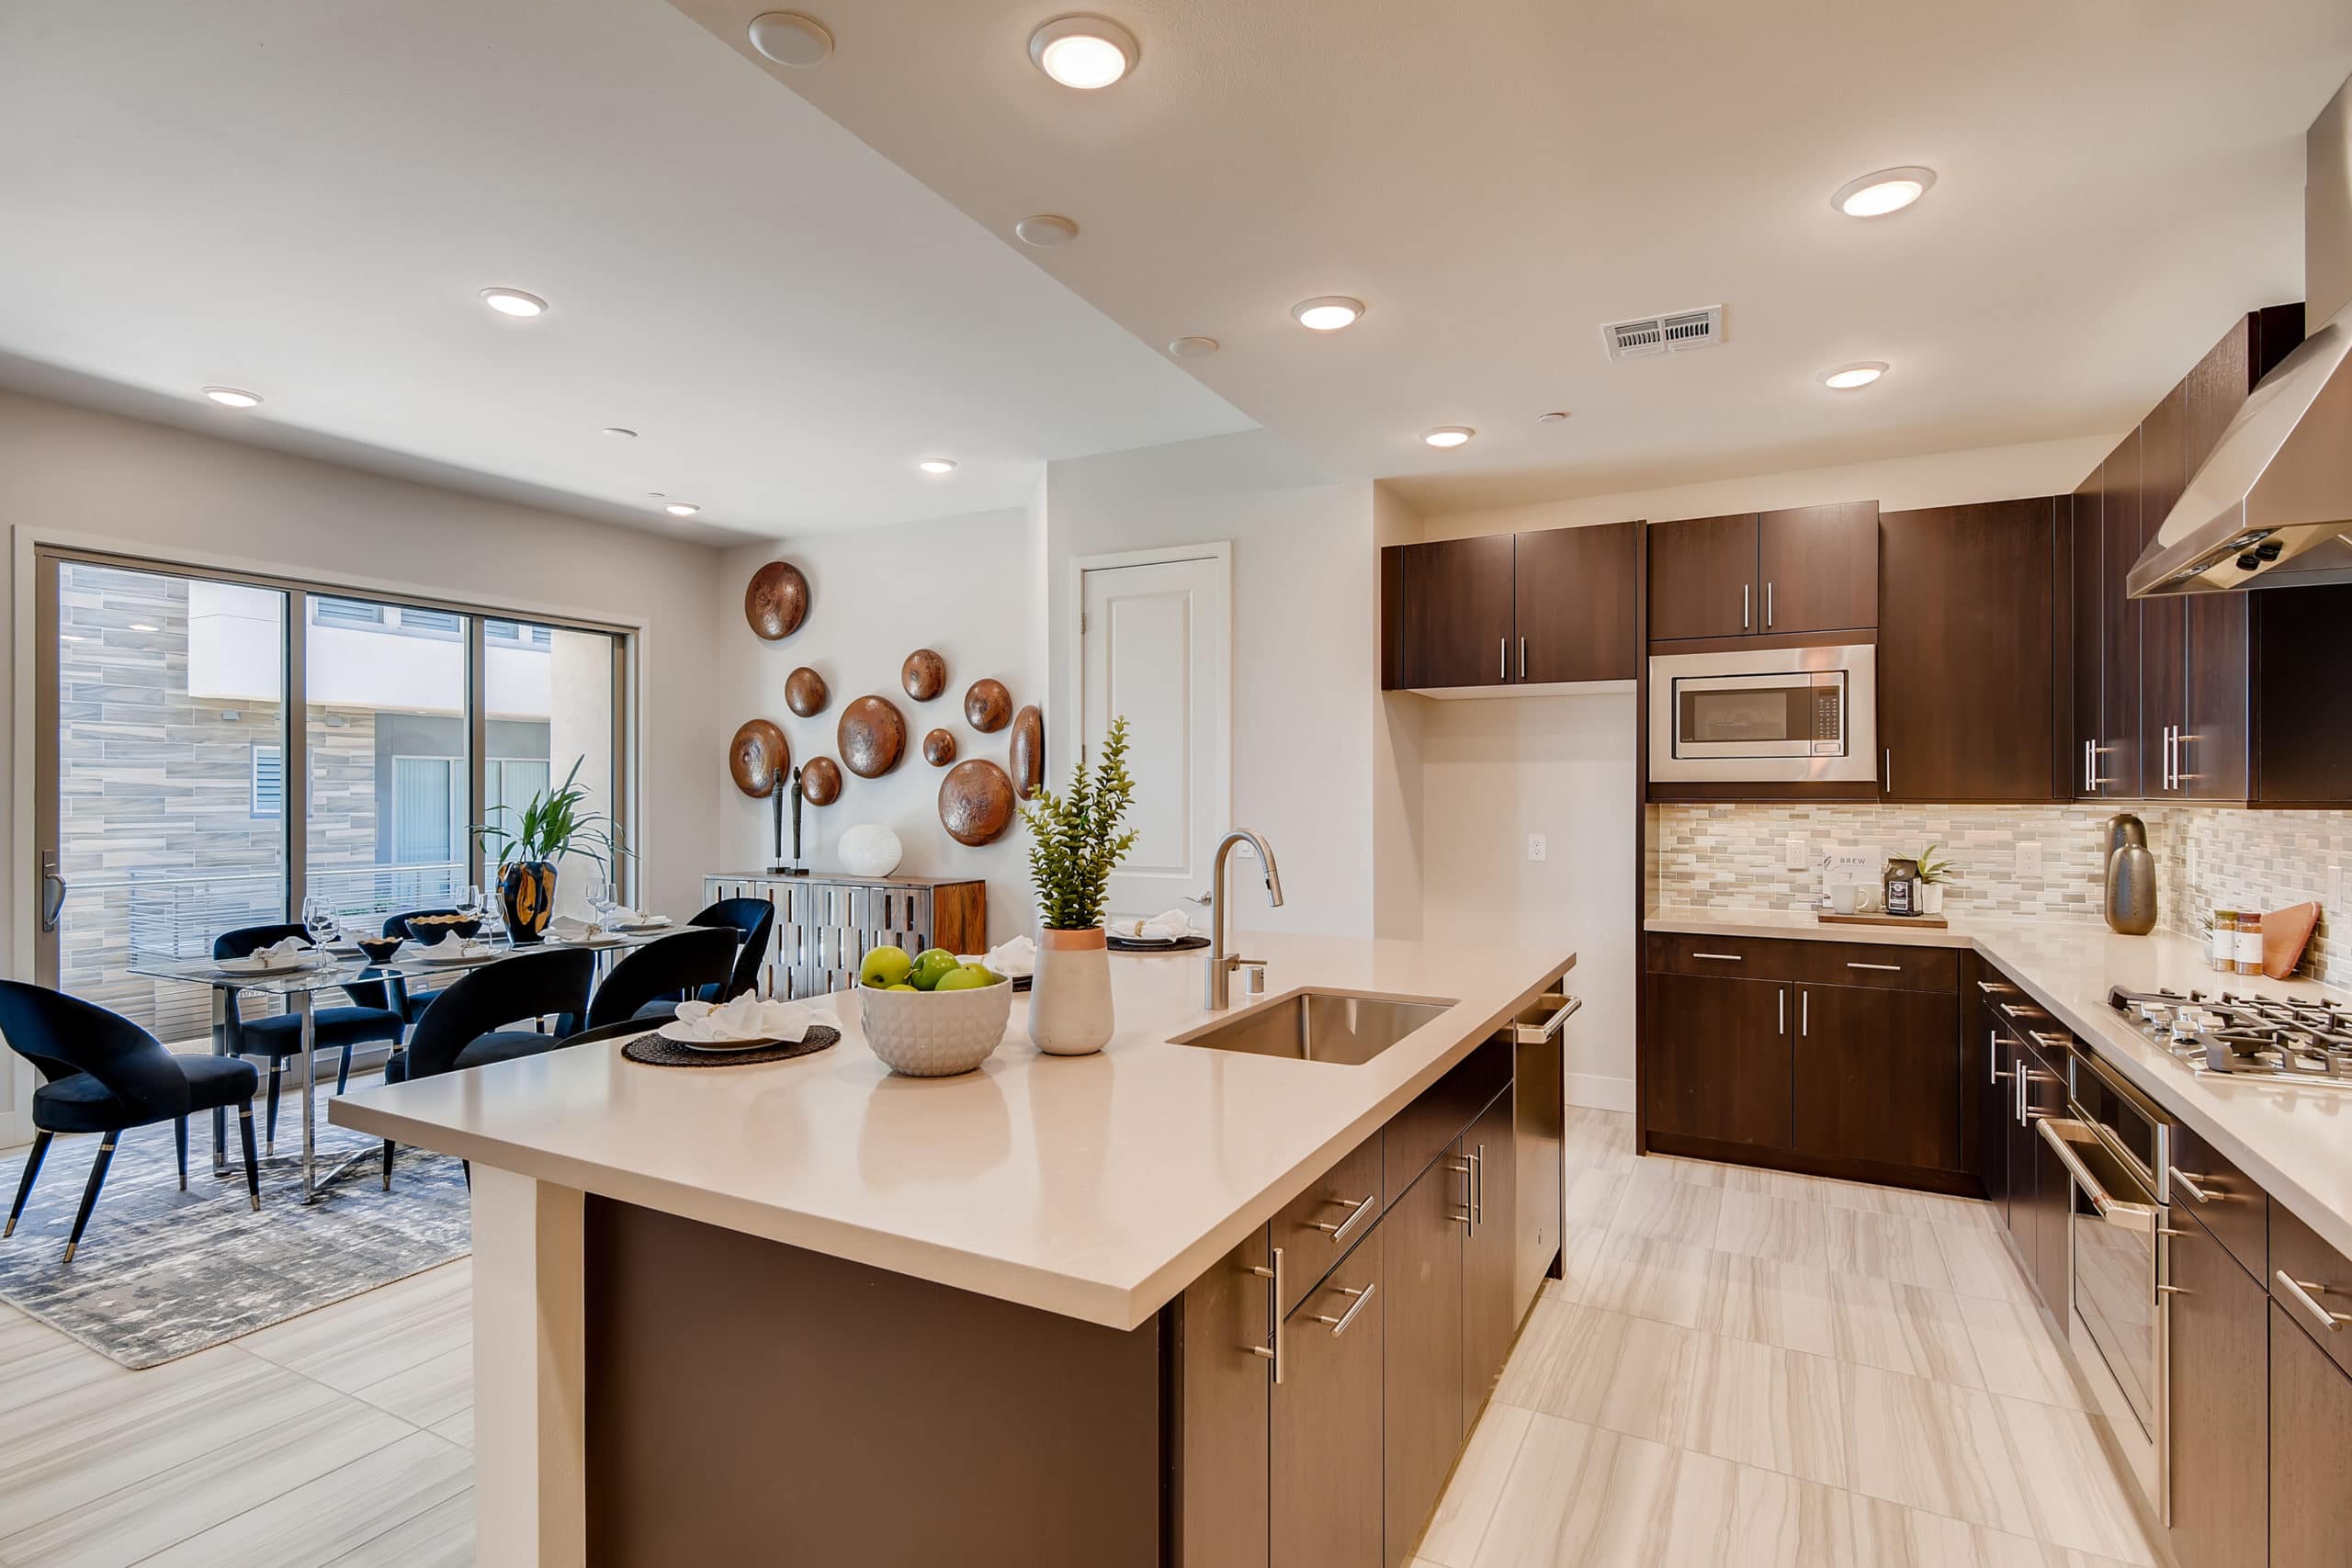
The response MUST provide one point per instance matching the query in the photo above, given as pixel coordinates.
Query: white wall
(148, 487)
(1305, 644)
(965, 587)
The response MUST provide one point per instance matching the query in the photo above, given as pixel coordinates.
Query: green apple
(965, 977)
(901, 985)
(885, 966)
(931, 965)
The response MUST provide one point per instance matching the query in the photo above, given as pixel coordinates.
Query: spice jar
(2222, 951)
(2249, 942)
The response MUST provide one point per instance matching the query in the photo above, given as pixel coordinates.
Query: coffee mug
(1853, 897)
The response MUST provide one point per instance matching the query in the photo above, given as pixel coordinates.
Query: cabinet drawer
(2324, 1275)
(1316, 1228)
(1416, 1134)
(1868, 965)
(2225, 1199)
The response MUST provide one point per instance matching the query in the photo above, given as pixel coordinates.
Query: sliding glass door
(210, 752)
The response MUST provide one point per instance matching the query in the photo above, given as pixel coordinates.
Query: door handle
(1890, 770)
(1271, 1351)
(2306, 1296)
(1805, 1013)
(1340, 1324)
(1522, 658)
(1502, 659)
(1744, 622)
(1359, 1209)
(2190, 1185)
(53, 889)
(1889, 968)
(1783, 994)
(1768, 606)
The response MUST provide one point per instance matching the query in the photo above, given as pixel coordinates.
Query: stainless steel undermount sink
(1319, 1026)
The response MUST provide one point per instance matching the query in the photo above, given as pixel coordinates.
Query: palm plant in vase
(525, 843)
(1935, 874)
(1075, 842)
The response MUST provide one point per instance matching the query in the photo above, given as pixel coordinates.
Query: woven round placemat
(656, 1052)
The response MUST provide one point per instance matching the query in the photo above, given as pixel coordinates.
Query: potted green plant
(1935, 874)
(1075, 842)
(528, 842)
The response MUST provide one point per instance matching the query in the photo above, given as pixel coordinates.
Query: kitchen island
(1057, 1311)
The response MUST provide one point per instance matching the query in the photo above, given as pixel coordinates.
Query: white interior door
(1154, 639)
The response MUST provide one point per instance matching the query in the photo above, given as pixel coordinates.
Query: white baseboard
(1598, 1091)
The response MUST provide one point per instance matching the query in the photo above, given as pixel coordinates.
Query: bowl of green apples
(929, 1014)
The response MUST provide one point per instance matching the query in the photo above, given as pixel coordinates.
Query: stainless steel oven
(1764, 714)
(2114, 1146)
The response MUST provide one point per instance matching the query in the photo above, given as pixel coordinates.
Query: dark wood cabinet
(1702, 578)
(2022, 1211)
(1324, 1439)
(2310, 1419)
(1819, 568)
(1574, 598)
(2163, 623)
(1967, 664)
(2302, 751)
(1421, 1282)
(1220, 1488)
(2086, 525)
(1995, 1111)
(1490, 1302)
(2118, 735)
(1717, 1059)
(2049, 1262)
(1877, 1076)
(1510, 609)
(2220, 1401)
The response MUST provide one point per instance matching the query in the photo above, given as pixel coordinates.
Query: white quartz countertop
(2295, 1140)
(1096, 1187)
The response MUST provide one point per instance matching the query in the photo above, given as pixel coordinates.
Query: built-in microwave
(1764, 714)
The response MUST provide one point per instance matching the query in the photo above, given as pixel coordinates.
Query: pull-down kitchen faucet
(1221, 964)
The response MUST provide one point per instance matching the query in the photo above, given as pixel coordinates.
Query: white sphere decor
(869, 850)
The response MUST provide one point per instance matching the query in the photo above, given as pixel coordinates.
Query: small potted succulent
(1935, 874)
(1075, 843)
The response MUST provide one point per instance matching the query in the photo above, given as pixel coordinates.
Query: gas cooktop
(2246, 1037)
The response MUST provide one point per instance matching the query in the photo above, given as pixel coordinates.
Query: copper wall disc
(873, 737)
(820, 780)
(975, 802)
(987, 705)
(1028, 753)
(939, 748)
(805, 693)
(924, 674)
(777, 601)
(759, 756)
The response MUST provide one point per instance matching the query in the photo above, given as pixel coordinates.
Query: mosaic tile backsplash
(2207, 858)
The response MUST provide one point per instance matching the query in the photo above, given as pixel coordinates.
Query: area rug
(162, 1273)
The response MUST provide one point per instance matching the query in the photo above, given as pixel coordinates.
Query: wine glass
(471, 904)
(318, 920)
(600, 897)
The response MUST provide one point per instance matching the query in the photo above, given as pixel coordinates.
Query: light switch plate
(2029, 859)
(1535, 846)
(1795, 854)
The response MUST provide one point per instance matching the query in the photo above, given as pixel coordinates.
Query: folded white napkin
(1169, 925)
(1010, 959)
(624, 919)
(571, 928)
(276, 956)
(749, 1018)
(452, 949)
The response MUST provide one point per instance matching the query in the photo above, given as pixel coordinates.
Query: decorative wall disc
(820, 780)
(924, 674)
(777, 601)
(1028, 753)
(759, 757)
(987, 705)
(975, 802)
(873, 737)
(939, 748)
(805, 693)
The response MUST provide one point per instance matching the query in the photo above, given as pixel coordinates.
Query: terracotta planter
(1070, 1001)
(527, 891)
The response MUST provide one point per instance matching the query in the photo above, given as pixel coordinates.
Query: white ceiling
(303, 198)
(1498, 177)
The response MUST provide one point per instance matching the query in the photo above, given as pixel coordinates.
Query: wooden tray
(1925, 922)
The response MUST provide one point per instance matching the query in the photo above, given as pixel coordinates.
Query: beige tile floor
(1741, 1370)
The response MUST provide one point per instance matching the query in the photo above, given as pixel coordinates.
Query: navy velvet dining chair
(103, 1073)
(650, 981)
(753, 920)
(395, 991)
(278, 1036)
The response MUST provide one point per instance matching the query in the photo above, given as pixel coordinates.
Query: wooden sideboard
(825, 922)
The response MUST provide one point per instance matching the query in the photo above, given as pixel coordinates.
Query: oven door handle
(2111, 1209)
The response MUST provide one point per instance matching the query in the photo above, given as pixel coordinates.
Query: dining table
(339, 963)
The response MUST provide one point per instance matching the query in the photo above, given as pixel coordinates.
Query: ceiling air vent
(1663, 334)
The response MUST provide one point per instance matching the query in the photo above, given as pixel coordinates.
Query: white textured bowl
(931, 1034)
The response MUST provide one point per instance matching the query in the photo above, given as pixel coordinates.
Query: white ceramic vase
(1931, 897)
(1070, 1001)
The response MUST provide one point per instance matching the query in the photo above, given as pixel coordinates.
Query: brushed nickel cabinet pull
(2190, 1185)
(1887, 968)
(1340, 1324)
(1744, 622)
(1360, 1208)
(1273, 1352)
(2300, 1292)
(1722, 957)
(1522, 658)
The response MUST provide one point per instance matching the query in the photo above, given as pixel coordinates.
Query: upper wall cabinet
(1808, 568)
(1510, 609)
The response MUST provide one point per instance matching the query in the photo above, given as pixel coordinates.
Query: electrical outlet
(1795, 854)
(2028, 861)
(1535, 846)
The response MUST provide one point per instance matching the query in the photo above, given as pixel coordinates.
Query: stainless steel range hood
(2272, 506)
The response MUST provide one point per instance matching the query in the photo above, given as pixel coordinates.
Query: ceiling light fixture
(1327, 313)
(1192, 347)
(1845, 378)
(513, 302)
(937, 465)
(622, 431)
(1889, 190)
(1044, 230)
(230, 398)
(1448, 435)
(681, 509)
(1554, 417)
(790, 39)
(1085, 53)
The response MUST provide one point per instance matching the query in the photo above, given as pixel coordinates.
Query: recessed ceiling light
(681, 509)
(1044, 230)
(937, 465)
(144, 627)
(790, 39)
(1845, 378)
(1085, 53)
(513, 302)
(230, 398)
(622, 431)
(1192, 347)
(1448, 435)
(1554, 417)
(1889, 190)
(1327, 313)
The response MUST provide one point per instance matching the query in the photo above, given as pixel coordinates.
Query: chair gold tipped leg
(69, 1251)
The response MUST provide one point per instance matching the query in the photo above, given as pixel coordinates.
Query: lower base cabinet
(2310, 1419)
(2220, 1403)
(1325, 1508)
(1877, 1076)
(1491, 1307)
(1422, 1290)
(1717, 1061)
